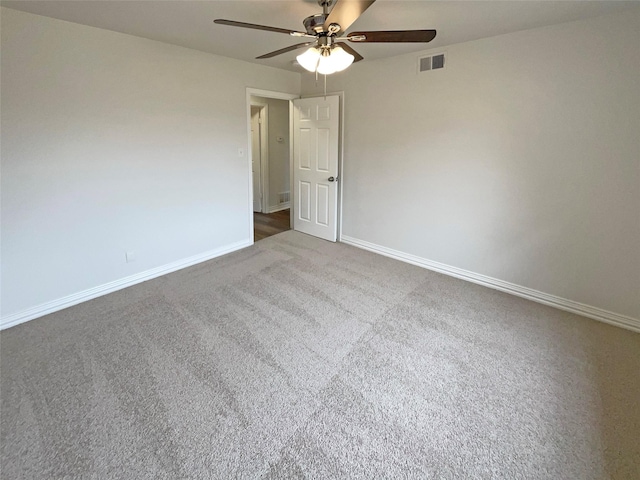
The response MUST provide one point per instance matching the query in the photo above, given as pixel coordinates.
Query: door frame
(290, 97)
(256, 92)
(264, 154)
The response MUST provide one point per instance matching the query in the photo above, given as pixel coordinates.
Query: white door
(315, 166)
(255, 158)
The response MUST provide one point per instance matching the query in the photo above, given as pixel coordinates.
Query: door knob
(331, 179)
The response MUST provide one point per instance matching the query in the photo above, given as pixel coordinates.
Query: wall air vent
(432, 62)
(283, 197)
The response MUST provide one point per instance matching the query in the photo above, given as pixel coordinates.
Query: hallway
(265, 225)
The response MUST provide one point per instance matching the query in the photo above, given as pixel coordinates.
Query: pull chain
(325, 87)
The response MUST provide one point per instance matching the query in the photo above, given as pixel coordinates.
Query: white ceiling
(190, 23)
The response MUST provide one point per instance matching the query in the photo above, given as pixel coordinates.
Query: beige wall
(113, 143)
(519, 161)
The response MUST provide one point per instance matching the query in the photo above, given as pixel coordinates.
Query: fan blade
(286, 49)
(233, 23)
(393, 36)
(345, 12)
(347, 48)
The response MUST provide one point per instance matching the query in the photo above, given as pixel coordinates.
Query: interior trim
(91, 293)
(279, 208)
(595, 313)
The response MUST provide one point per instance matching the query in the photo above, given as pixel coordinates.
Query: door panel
(322, 214)
(304, 205)
(304, 111)
(315, 160)
(324, 149)
(305, 148)
(324, 112)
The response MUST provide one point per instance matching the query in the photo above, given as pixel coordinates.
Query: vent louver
(432, 62)
(283, 197)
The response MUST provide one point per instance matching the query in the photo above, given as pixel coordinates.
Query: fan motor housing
(315, 23)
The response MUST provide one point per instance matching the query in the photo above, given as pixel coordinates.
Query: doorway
(274, 198)
(270, 153)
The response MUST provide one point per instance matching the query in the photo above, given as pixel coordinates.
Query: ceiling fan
(327, 54)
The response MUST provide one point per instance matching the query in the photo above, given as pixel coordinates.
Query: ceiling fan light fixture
(309, 59)
(326, 66)
(332, 61)
(341, 58)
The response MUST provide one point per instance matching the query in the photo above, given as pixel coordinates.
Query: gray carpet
(298, 358)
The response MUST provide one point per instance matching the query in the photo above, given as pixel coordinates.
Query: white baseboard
(70, 300)
(524, 292)
(278, 208)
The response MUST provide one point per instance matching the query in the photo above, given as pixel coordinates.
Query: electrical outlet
(130, 257)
